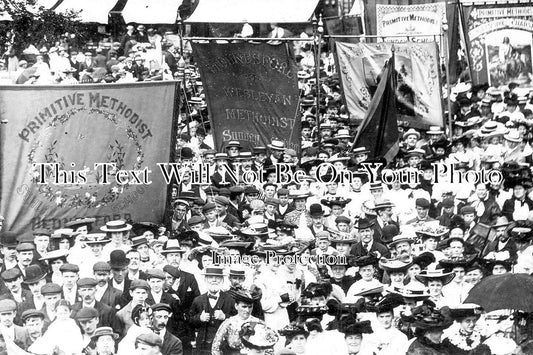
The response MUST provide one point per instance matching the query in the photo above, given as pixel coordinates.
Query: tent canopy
(91, 11)
(253, 11)
(151, 11)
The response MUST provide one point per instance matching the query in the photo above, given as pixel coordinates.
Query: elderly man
(368, 244)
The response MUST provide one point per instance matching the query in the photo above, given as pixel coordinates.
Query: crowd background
(405, 257)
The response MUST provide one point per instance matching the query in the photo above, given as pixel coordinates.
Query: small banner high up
(84, 151)
(252, 93)
(500, 38)
(418, 91)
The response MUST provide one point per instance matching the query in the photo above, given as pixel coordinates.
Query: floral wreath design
(89, 200)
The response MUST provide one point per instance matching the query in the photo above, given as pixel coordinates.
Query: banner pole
(462, 31)
(445, 30)
(317, 36)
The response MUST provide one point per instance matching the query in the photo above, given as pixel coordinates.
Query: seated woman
(227, 340)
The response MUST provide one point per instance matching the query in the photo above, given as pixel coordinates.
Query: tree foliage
(34, 24)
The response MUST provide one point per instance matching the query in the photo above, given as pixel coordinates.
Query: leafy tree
(33, 24)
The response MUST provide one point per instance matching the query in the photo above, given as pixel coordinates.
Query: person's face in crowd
(116, 238)
(34, 326)
(411, 140)
(145, 349)
(56, 264)
(260, 157)
(338, 271)
(14, 285)
(101, 277)
(317, 221)
(456, 248)
(64, 244)
(197, 227)
(343, 227)
(367, 235)
(468, 324)
(51, 300)
(135, 260)
(306, 132)
(284, 200)
(270, 191)
(459, 272)
(397, 277)
(207, 260)
(69, 279)
(251, 197)
(97, 249)
(211, 215)
(233, 152)
(323, 156)
(7, 318)
(403, 248)
(214, 283)
(82, 229)
(196, 210)
(474, 276)
(25, 257)
(435, 287)
(343, 248)
(385, 319)
(88, 326)
(271, 209)
(498, 269)
(174, 259)
(35, 287)
(367, 272)
(332, 187)
(361, 157)
(160, 319)
(119, 274)
(326, 133)
(179, 212)
(481, 191)
(105, 345)
(339, 166)
(144, 250)
(87, 294)
(244, 310)
(413, 161)
(353, 342)
(519, 191)
(174, 193)
(422, 212)
(220, 209)
(298, 343)
(413, 271)
(469, 218)
(323, 244)
(501, 233)
(522, 130)
(41, 242)
(236, 281)
(430, 244)
(299, 203)
(138, 295)
(357, 183)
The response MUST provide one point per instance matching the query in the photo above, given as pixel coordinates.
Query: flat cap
(31, 313)
(172, 270)
(87, 282)
(222, 200)
(87, 313)
(101, 266)
(208, 207)
(161, 307)
(7, 305)
(448, 202)
(69, 268)
(11, 274)
(50, 289)
(25, 247)
(194, 220)
(155, 273)
(139, 284)
(422, 202)
(467, 209)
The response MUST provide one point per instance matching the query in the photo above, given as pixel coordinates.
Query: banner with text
(411, 20)
(418, 90)
(84, 151)
(252, 93)
(500, 40)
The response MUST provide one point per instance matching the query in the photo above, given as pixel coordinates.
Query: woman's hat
(429, 231)
(369, 259)
(395, 265)
(255, 335)
(55, 254)
(337, 201)
(293, 329)
(427, 317)
(428, 275)
(466, 310)
(245, 296)
(458, 261)
(412, 290)
(115, 226)
(96, 238)
(350, 326)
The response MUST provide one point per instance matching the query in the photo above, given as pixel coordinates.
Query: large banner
(84, 151)
(418, 90)
(252, 93)
(411, 20)
(500, 42)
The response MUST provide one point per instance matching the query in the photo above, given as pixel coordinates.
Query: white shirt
(118, 286)
(100, 290)
(157, 296)
(212, 301)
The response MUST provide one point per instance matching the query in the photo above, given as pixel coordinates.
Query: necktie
(213, 297)
(365, 246)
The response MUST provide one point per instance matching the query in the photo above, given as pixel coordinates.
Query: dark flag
(379, 130)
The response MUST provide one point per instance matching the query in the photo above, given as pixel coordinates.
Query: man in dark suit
(105, 293)
(367, 243)
(209, 310)
(502, 242)
(13, 280)
(171, 344)
(183, 287)
(106, 315)
(19, 334)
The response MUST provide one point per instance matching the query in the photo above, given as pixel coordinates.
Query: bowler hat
(34, 274)
(8, 239)
(118, 259)
(365, 223)
(315, 210)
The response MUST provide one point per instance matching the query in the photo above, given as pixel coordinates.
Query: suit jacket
(171, 345)
(207, 330)
(510, 247)
(22, 338)
(126, 297)
(358, 250)
(509, 206)
(107, 316)
(111, 297)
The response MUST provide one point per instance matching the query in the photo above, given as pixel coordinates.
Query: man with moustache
(171, 344)
(24, 256)
(35, 279)
(10, 330)
(105, 293)
(106, 314)
(13, 280)
(87, 319)
(9, 243)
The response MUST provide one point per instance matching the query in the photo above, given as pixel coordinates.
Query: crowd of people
(320, 265)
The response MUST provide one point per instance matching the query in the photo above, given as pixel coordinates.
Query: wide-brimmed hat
(336, 201)
(458, 261)
(104, 331)
(55, 254)
(427, 275)
(435, 130)
(341, 237)
(343, 134)
(395, 265)
(276, 145)
(427, 317)
(365, 223)
(115, 226)
(256, 335)
(96, 238)
(293, 329)
(369, 259)
(412, 290)
(219, 233)
(513, 136)
(466, 310)
(350, 326)
(383, 204)
(431, 231)
(410, 132)
(501, 221)
(172, 246)
(245, 296)
(399, 239)
(118, 259)
(299, 194)
(63, 233)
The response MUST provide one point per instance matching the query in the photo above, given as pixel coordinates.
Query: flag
(379, 131)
